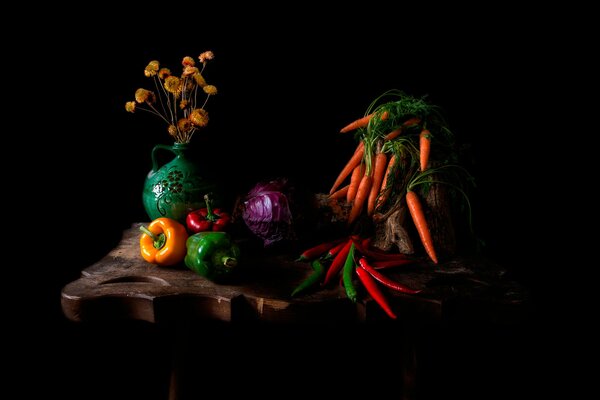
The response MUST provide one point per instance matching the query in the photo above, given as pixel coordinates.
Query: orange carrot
(347, 170)
(395, 133)
(379, 167)
(362, 122)
(355, 178)
(383, 193)
(340, 194)
(424, 148)
(361, 197)
(418, 216)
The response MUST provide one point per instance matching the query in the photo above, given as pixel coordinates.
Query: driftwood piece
(439, 218)
(331, 210)
(390, 232)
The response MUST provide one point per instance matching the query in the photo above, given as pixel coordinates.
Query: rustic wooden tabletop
(123, 285)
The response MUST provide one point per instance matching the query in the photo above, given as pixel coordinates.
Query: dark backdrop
(285, 90)
(286, 87)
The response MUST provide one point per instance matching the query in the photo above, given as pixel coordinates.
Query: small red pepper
(335, 249)
(391, 263)
(371, 285)
(207, 219)
(392, 284)
(317, 250)
(377, 255)
(337, 263)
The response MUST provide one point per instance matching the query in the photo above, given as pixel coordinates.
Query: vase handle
(153, 154)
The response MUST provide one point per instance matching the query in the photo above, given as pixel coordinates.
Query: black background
(287, 84)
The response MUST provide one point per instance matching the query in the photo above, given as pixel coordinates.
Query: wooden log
(390, 233)
(439, 218)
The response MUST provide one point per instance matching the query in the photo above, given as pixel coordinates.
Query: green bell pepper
(212, 255)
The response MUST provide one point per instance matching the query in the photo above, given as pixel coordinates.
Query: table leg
(409, 363)
(174, 382)
(179, 333)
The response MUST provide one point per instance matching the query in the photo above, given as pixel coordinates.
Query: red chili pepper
(377, 254)
(316, 251)
(366, 242)
(335, 249)
(207, 219)
(391, 263)
(338, 262)
(371, 285)
(392, 284)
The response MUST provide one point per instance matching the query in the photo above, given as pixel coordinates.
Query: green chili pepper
(312, 279)
(212, 254)
(349, 267)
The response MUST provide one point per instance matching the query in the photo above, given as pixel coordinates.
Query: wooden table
(123, 286)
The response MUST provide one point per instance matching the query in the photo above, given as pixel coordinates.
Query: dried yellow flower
(144, 95)
(207, 55)
(151, 68)
(199, 117)
(172, 129)
(199, 79)
(188, 61)
(184, 125)
(130, 106)
(210, 89)
(177, 101)
(173, 84)
(188, 70)
(163, 73)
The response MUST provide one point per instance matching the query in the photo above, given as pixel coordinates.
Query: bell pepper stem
(229, 261)
(148, 232)
(209, 210)
(159, 240)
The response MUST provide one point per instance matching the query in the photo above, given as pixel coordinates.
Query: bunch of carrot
(392, 158)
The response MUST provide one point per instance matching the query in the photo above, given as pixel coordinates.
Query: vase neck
(180, 146)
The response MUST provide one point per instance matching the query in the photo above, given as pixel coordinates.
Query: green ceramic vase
(177, 187)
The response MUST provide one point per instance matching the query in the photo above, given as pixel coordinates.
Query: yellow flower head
(173, 84)
(163, 73)
(151, 68)
(199, 79)
(185, 125)
(172, 129)
(130, 106)
(207, 55)
(188, 70)
(183, 104)
(210, 89)
(144, 96)
(199, 117)
(188, 61)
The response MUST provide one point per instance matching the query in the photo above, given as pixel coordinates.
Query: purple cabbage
(267, 211)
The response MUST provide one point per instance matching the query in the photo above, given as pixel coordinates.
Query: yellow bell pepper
(163, 242)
